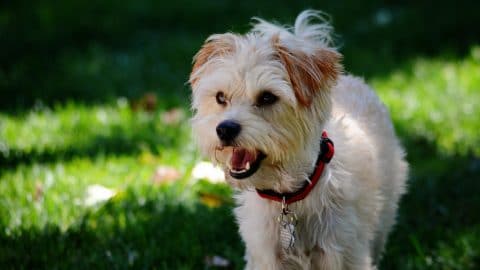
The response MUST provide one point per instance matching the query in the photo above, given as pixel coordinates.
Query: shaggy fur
(344, 222)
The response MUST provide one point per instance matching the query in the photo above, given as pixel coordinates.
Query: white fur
(345, 220)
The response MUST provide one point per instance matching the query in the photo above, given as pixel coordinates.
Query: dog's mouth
(244, 163)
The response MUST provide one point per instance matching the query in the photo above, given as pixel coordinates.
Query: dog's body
(262, 102)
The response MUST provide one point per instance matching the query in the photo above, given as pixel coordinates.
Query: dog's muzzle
(243, 162)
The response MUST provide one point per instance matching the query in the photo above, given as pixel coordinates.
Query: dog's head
(260, 100)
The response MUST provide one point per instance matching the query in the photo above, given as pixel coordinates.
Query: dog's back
(365, 120)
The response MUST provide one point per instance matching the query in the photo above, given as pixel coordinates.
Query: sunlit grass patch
(40, 194)
(75, 129)
(437, 99)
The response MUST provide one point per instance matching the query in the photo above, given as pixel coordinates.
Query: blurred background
(98, 168)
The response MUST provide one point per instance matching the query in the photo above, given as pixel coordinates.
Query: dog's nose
(228, 130)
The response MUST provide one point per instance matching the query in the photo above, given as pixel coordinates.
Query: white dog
(312, 152)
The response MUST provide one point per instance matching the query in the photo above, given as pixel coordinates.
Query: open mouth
(244, 163)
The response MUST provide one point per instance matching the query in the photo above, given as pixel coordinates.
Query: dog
(311, 151)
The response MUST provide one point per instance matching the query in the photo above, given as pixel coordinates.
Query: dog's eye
(266, 98)
(221, 98)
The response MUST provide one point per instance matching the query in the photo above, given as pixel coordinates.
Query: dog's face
(259, 101)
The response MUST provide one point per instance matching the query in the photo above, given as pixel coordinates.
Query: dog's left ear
(215, 46)
(309, 72)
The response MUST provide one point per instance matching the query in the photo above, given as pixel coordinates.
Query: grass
(75, 129)
(437, 99)
(75, 113)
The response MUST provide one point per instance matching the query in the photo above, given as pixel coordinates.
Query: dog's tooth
(238, 171)
(247, 166)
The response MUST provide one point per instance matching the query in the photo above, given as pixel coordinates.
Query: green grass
(75, 129)
(437, 99)
(68, 122)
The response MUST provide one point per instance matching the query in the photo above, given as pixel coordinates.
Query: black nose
(228, 130)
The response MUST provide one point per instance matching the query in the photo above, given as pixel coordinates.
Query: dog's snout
(228, 130)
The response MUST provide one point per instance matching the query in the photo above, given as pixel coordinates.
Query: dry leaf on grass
(148, 102)
(38, 195)
(211, 200)
(165, 174)
(173, 116)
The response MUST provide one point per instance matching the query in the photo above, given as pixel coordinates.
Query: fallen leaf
(211, 200)
(165, 174)
(148, 102)
(38, 191)
(172, 116)
(146, 157)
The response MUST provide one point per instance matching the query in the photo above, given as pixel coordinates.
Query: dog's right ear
(215, 46)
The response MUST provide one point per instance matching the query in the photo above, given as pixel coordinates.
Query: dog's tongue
(240, 158)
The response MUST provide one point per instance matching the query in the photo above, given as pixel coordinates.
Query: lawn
(97, 158)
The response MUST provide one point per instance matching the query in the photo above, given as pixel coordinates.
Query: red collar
(326, 154)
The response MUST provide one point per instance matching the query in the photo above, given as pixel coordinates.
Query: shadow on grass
(133, 232)
(438, 227)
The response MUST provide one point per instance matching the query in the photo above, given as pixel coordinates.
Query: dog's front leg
(344, 246)
(262, 251)
(334, 260)
(259, 229)
(261, 254)
(260, 262)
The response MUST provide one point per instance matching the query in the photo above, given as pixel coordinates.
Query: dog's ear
(308, 72)
(215, 46)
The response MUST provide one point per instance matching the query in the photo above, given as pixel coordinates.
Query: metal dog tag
(288, 221)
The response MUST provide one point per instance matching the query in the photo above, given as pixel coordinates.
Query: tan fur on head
(280, 87)
(308, 73)
(215, 46)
